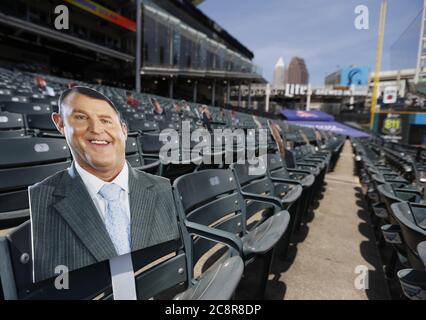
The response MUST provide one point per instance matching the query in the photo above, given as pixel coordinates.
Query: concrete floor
(335, 238)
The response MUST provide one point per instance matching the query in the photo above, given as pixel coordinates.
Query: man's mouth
(99, 142)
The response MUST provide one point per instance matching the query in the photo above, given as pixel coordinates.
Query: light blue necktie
(116, 220)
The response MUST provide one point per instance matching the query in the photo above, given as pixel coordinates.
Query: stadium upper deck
(184, 54)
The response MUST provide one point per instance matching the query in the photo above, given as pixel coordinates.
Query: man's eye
(106, 121)
(80, 117)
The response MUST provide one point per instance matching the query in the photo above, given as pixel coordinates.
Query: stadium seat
(11, 125)
(208, 201)
(28, 161)
(391, 230)
(412, 220)
(279, 173)
(258, 186)
(41, 123)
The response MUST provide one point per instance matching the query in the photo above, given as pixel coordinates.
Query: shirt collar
(94, 184)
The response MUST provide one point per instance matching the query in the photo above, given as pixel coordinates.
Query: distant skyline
(320, 31)
(278, 81)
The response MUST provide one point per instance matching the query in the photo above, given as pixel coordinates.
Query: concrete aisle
(335, 239)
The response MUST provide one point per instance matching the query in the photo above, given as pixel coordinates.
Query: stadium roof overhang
(59, 36)
(155, 71)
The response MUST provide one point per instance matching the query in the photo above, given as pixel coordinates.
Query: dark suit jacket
(66, 228)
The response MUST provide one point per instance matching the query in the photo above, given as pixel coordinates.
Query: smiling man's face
(94, 132)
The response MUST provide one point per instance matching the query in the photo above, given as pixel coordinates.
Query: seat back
(42, 122)
(411, 217)
(9, 120)
(27, 108)
(158, 269)
(276, 166)
(12, 125)
(31, 151)
(210, 198)
(387, 195)
(151, 144)
(12, 98)
(250, 181)
(27, 161)
(142, 125)
(132, 152)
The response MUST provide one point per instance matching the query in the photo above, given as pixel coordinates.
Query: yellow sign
(392, 124)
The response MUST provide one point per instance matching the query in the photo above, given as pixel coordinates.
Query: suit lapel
(78, 210)
(142, 208)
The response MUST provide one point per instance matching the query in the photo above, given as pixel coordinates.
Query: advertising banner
(357, 76)
(104, 13)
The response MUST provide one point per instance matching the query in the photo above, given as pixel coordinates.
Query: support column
(213, 92)
(138, 46)
(228, 93)
(239, 95)
(268, 93)
(171, 88)
(194, 94)
(249, 96)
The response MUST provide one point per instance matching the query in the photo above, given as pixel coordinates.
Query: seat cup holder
(413, 283)
(391, 234)
(380, 211)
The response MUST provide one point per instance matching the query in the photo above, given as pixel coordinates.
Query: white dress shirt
(122, 274)
(94, 184)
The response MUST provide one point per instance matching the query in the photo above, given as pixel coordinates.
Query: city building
(279, 74)
(296, 72)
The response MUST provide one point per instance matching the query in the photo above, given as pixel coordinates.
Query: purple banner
(301, 115)
(335, 127)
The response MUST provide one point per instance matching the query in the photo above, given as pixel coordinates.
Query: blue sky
(321, 31)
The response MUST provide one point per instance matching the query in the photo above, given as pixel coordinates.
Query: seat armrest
(150, 166)
(298, 171)
(306, 164)
(276, 202)
(216, 235)
(288, 181)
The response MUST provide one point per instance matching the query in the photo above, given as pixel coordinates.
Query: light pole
(381, 34)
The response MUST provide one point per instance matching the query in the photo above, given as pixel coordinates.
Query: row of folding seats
(252, 213)
(399, 218)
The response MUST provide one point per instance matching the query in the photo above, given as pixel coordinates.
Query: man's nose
(96, 126)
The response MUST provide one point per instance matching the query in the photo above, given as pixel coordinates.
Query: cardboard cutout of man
(100, 207)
